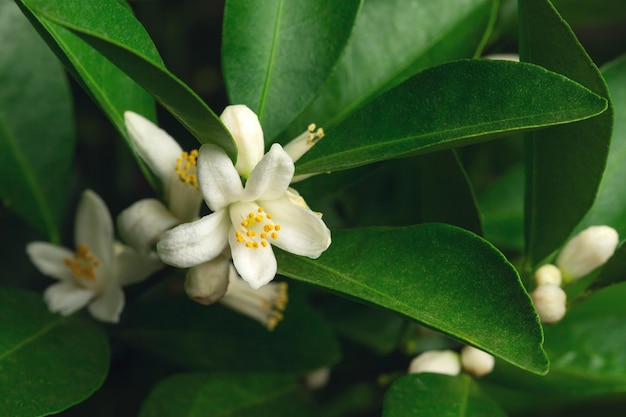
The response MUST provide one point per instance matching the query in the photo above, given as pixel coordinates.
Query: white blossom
(586, 251)
(550, 303)
(476, 362)
(436, 361)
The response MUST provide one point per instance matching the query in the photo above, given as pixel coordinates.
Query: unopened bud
(436, 361)
(549, 302)
(586, 251)
(142, 224)
(476, 362)
(318, 378)
(247, 133)
(207, 283)
(548, 274)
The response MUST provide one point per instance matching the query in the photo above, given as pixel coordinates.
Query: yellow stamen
(256, 229)
(186, 168)
(83, 264)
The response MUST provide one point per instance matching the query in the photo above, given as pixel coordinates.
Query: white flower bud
(317, 379)
(436, 361)
(586, 251)
(476, 362)
(207, 283)
(548, 274)
(549, 301)
(247, 133)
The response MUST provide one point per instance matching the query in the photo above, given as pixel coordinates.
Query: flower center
(83, 263)
(257, 229)
(186, 168)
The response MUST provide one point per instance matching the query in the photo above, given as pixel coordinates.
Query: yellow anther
(264, 243)
(249, 244)
(268, 227)
(83, 264)
(259, 218)
(263, 236)
(251, 215)
(260, 210)
(186, 168)
(269, 216)
(277, 227)
(274, 235)
(255, 245)
(244, 223)
(250, 233)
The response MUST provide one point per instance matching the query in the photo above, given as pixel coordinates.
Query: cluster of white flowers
(228, 252)
(471, 360)
(585, 252)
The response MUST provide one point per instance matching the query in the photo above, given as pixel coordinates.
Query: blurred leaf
(112, 30)
(424, 113)
(277, 54)
(445, 277)
(47, 362)
(36, 125)
(392, 40)
(587, 356)
(437, 395)
(564, 164)
(502, 207)
(213, 338)
(221, 395)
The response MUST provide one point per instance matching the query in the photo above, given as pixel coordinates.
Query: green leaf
(436, 395)
(442, 276)
(392, 40)
(564, 164)
(451, 105)
(277, 54)
(221, 395)
(214, 338)
(612, 271)
(36, 125)
(47, 362)
(112, 30)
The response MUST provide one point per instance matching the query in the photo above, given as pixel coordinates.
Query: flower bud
(586, 251)
(142, 224)
(207, 283)
(247, 133)
(549, 301)
(436, 361)
(317, 379)
(548, 274)
(476, 362)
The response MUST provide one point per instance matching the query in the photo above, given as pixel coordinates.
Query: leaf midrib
(33, 337)
(268, 75)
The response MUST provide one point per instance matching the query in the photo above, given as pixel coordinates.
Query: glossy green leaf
(564, 164)
(214, 338)
(47, 362)
(448, 106)
(437, 395)
(392, 40)
(112, 30)
(222, 395)
(445, 277)
(36, 125)
(612, 272)
(587, 356)
(277, 54)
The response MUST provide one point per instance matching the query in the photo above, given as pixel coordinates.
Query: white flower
(245, 129)
(476, 361)
(251, 219)
(548, 274)
(94, 273)
(142, 224)
(207, 283)
(265, 304)
(586, 251)
(436, 361)
(550, 303)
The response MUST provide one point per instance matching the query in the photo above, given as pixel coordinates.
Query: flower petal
(257, 266)
(94, 228)
(271, 177)
(184, 200)
(154, 146)
(66, 297)
(142, 224)
(217, 177)
(247, 133)
(191, 244)
(49, 259)
(108, 306)
(302, 232)
(132, 267)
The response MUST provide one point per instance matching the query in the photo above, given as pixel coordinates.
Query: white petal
(247, 133)
(218, 180)
(49, 259)
(191, 244)
(257, 266)
(132, 266)
(94, 229)
(142, 224)
(66, 297)
(302, 232)
(271, 177)
(154, 146)
(108, 306)
(184, 200)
